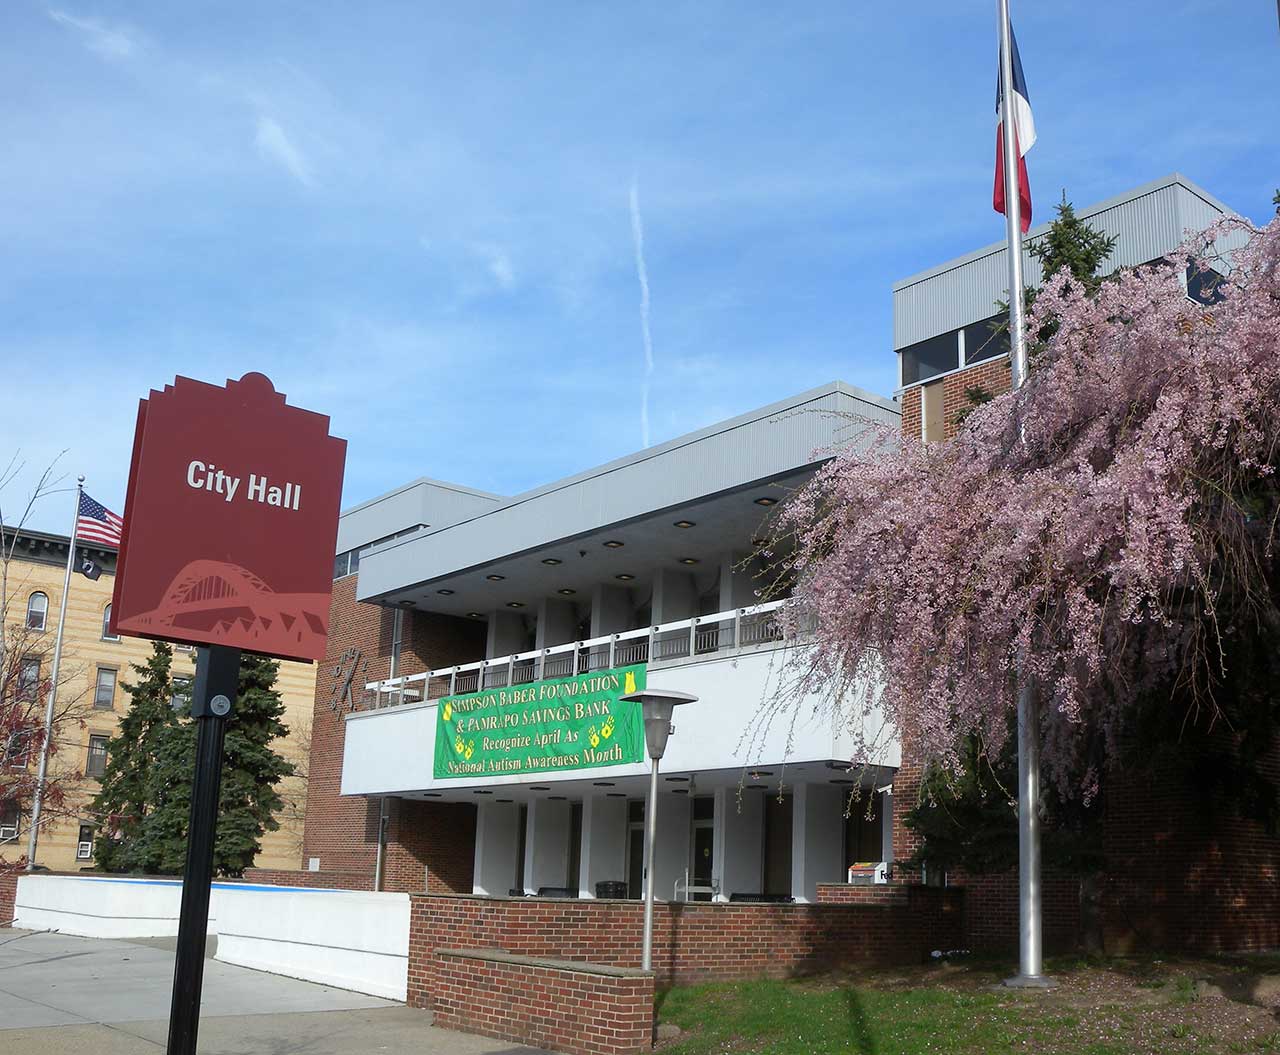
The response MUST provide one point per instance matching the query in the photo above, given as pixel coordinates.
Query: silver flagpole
(1030, 918)
(52, 695)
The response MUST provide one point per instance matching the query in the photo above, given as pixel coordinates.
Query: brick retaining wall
(8, 896)
(581, 1009)
(693, 942)
(301, 878)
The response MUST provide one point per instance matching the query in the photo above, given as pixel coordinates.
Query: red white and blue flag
(96, 523)
(1024, 138)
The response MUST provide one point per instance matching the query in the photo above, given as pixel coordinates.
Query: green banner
(542, 727)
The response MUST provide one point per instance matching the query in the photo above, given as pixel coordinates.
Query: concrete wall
(104, 908)
(348, 939)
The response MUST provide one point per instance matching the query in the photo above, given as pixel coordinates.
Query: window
(15, 750)
(84, 844)
(927, 359)
(37, 610)
(104, 693)
(107, 635)
(97, 762)
(181, 695)
(986, 339)
(341, 564)
(28, 686)
(9, 820)
(1204, 286)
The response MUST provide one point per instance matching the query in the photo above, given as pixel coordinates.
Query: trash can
(611, 888)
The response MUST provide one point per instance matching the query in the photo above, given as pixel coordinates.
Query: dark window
(929, 358)
(181, 695)
(986, 339)
(84, 845)
(15, 750)
(863, 839)
(9, 820)
(107, 635)
(37, 610)
(704, 808)
(97, 762)
(1204, 286)
(341, 564)
(28, 686)
(104, 692)
(635, 811)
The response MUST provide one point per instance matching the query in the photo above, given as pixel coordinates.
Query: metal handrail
(705, 635)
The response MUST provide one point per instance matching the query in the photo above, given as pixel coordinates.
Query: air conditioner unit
(8, 832)
(84, 851)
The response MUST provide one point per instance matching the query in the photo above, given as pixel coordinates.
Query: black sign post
(217, 678)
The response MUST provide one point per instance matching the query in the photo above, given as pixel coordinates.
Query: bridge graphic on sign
(222, 599)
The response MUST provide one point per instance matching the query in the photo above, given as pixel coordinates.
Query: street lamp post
(657, 707)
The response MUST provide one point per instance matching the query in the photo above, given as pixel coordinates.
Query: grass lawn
(1102, 1008)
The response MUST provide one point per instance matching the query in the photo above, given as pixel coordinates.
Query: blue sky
(417, 218)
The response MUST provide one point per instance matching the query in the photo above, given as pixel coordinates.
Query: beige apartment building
(95, 665)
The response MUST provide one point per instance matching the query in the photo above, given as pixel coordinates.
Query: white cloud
(111, 42)
(275, 145)
(498, 263)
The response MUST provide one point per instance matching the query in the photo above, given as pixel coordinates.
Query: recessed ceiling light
(684, 524)
(557, 798)
(844, 782)
(616, 794)
(445, 593)
(552, 561)
(504, 800)
(475, 615)
(679, 791)
(613, 543)
(408, 604)
(480, 792)
(756, 774)
(757, 787)
(764, 500)
(515, 604)
(566, 592)
(495, 578)
(688, 560)
(540, 787)
(432, 795)
(677, 780)
(604, 783)
(625, 577)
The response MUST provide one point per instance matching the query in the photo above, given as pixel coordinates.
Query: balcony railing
(704, 636)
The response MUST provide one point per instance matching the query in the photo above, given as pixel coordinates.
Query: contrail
(642, 272)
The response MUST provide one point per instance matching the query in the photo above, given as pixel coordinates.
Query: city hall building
(470, 739)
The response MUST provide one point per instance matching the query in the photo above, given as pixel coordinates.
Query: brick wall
(318, 880)
(992, 375)
(691, 942)
(8, 895)
(911, 412)
(343, 832)
(991, 913)
(580, 1009)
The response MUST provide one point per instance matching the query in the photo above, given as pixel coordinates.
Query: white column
(546, 845)
(557, 623)
(674, 813)
(674, 596)
(496, 842)
(604, 843)
(739, 842)
(610, 610)
(816, 843)
(506, 634)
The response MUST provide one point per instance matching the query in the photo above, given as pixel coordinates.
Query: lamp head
(657, 706)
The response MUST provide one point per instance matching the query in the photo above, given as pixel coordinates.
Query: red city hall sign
(230, 520)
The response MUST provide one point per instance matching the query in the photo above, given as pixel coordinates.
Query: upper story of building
(942, 317)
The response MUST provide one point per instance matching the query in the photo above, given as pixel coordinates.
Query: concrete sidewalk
(61, 994)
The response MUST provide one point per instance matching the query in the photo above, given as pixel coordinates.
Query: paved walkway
(60, 994)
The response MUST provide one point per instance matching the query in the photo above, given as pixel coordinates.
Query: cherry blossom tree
(1108, 530)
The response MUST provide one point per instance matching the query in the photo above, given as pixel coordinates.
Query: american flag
(96, 523)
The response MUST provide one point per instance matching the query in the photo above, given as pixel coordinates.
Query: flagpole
(1030, 916)
(52, 695)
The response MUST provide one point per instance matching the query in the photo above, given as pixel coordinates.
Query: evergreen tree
(124, 800)
(248, 799)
